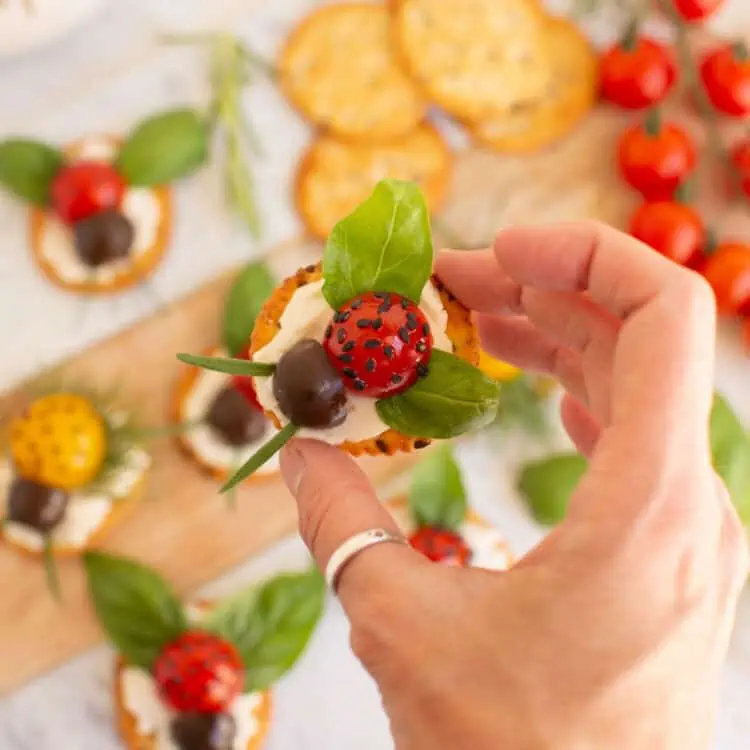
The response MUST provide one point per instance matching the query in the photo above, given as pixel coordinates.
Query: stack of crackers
(366, 73)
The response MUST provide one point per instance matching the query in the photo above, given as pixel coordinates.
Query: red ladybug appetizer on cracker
(75, 465)
(199, 677)
(437, 520)
(224, 422)
(367, 351)
(101, 209)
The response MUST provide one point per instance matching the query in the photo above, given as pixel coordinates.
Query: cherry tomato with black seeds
(673, 229)
(638, 72)
(727, 270)
(725, 72)
(656, 158)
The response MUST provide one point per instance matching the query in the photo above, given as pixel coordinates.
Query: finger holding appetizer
(224, 422)
(436, 518)
(76, 463)
(199, 676)
(101, 209)
(368, 351)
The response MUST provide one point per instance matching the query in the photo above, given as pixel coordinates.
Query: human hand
(612, 631)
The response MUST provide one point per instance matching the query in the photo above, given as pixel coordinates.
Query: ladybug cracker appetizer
(74, 464)
(199, 677)
(437, 521)
(224, 422)
(367, 351)
(101, 209)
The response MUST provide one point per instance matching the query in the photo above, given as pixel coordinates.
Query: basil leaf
(164, 148)
(547, 485)
(27, 169)
(249, 291)
(384, 245)
(437, 496)
(270, 625)
(135, 606)
(730, 452)
(455, 397)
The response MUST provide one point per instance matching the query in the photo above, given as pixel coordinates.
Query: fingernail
(292, 467)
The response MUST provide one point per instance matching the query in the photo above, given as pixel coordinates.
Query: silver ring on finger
(350, 548)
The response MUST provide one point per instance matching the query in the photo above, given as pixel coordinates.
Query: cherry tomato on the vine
(697, 10)
(656, 158)
(725, 72)
(673, 229)
(741, 162)
(637, 72)
(728, 271)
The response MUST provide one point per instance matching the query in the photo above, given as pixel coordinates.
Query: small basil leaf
(135, 606)
(452, 399)
(547, 485)
(164, 148)
(437, 496)
(271, 625)
(730, 452)
(27, 169)
(249, 291)
(384, 245)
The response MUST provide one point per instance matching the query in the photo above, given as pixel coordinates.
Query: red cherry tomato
(86, 188)
(673, 229)
(697, 10)
(637, 73)
(656, 159)
(741, 162)
(725, 72)
(728, 271)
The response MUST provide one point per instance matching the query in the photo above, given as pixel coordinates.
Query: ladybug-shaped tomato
(380, 343)
(441, 545)
(86, 188)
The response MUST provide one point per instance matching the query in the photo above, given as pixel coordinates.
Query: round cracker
(460, 330)
(134, 740)
(570, 95)
(334, 177)
(473, 57)
(184, 386)
(135, 272)
(339, 70)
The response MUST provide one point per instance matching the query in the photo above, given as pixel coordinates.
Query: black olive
(36, 505)
(308, 388)
(103, 238)
(234, 419)
(197, 731)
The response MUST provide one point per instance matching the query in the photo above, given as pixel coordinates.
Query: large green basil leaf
(455, 397)
(437, 496)
(548, 484)
(384, 245)
(27, 169)
(270, 625)
(135, 606)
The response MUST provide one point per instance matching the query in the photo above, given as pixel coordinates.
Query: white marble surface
(105, 75)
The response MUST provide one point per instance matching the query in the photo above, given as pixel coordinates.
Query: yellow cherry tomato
(496, 369)
(61, 441)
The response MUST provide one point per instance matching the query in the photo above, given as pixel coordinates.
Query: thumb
(335, 501)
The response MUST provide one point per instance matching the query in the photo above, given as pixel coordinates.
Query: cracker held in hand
(335, 176)
(199, 675)
(570, 95)
(473, 57)
(367, 351)
(339, 70)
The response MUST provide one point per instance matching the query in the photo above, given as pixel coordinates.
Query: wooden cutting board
(183, 527)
